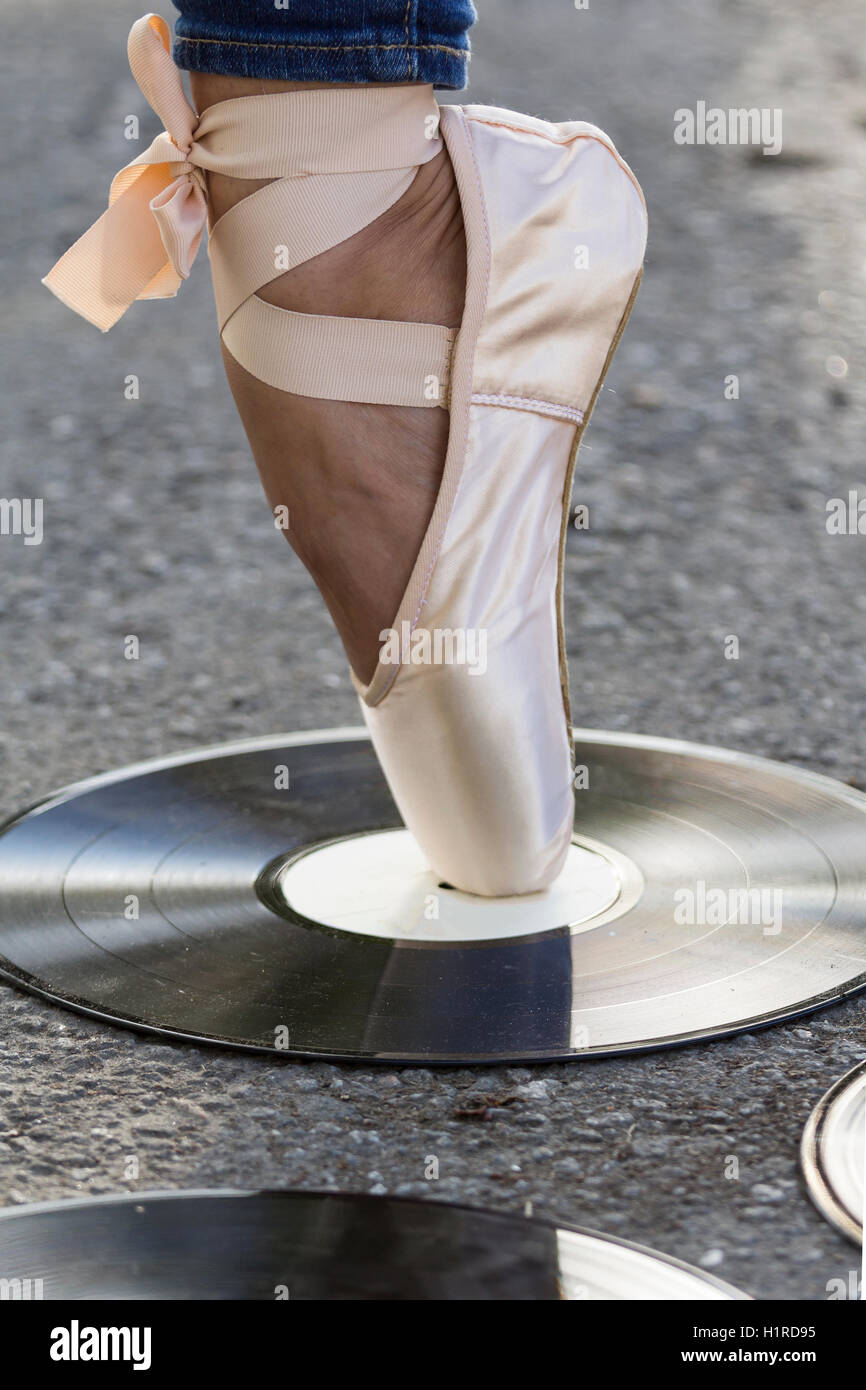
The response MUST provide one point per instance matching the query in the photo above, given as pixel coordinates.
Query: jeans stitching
(406, 27)
(334, 47)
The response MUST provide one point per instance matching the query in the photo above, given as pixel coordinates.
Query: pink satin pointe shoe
(468, 709)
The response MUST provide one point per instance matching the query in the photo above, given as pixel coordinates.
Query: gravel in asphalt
(707, 518)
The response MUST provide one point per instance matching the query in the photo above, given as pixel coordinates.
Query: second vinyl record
(833, 1153)
(313, 1245)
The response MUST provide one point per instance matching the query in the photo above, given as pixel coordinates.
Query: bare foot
(360, 481)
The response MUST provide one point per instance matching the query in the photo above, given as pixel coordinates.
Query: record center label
(379, 884)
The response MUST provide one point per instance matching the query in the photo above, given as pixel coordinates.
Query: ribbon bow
(144, 245)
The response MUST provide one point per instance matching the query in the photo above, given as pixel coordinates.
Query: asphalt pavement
(708, 518)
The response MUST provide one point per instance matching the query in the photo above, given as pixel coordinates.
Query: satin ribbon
(144, 245)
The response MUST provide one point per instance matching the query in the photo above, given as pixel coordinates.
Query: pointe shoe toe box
(479, 761)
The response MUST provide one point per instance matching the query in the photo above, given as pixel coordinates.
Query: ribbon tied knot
(144, 245)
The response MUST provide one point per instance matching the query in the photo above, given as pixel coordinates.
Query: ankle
(208, 88)
(360, 481)
(409, 264)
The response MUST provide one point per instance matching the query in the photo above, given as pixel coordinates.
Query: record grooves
(297, 1245)
(710, 892)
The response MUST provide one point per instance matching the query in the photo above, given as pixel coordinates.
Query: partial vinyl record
(318, 1245)
(264, 895)
(833, 1153)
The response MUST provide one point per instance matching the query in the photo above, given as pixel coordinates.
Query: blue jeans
(327, 40)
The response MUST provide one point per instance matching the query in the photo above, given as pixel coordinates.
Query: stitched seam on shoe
(531, 403)
(333, 47)
(435, 556)
(523, 130)
(465, 439)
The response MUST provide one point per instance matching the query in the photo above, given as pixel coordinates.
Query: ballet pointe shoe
(468, 708)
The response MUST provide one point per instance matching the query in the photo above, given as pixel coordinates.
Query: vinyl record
(264, 895)
(317, 1245)
(833, 1153)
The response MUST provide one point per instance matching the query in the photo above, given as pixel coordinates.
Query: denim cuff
(327, 40)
